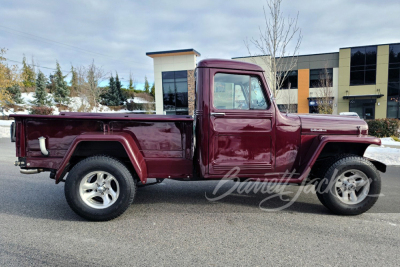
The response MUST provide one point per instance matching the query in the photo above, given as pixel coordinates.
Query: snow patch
(387, 155)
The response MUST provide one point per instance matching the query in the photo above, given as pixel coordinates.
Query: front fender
(126, 141)
(321, 142)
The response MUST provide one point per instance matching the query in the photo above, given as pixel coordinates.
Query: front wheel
(99, 188)
(350, 186)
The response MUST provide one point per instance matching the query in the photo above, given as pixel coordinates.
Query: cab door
(241, 131)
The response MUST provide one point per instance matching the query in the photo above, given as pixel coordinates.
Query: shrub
(395, 138)
(130, 105)
(41, 110)
(383, 127)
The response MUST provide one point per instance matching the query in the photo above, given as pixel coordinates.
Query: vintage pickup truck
(236, 124)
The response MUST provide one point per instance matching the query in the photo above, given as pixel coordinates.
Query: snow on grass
(76, 104)
(387, 155)
(389, 141)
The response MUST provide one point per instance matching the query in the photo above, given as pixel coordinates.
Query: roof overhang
(169, 53)
(362, 96)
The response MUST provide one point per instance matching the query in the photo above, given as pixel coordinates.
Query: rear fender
(126, 141)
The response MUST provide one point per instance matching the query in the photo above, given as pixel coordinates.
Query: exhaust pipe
(31, 171)
(42, 143)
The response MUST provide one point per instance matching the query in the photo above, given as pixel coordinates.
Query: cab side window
(234, 91)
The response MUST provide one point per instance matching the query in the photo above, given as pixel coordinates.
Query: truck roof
(228, 64)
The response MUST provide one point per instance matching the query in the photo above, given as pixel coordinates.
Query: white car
(353, 114)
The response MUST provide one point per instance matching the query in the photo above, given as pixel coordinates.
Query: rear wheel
(351, 186)
(99, 188)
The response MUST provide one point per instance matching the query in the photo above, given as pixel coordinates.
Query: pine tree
(153, 90)
(118, 86)
(131, 84)
(112, 98)
(41, 98)
(28, 74)
(61, 91)
(146, 85)
(15, 93)
(74, 82)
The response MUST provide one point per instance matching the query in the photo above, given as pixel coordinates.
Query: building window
(290, 80)
(394, 82)
(321, 77)
(363, 65)
(290, 108)
(175, 90)
(231, 91)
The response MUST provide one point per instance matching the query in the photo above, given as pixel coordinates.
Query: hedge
(383, 127)
(41, 110)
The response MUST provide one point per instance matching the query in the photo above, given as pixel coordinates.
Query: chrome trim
(30, 171)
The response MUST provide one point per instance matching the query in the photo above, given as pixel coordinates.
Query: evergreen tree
(131, 84)
(41, 98)
(74, 81)
(153, 90)
(118, 84)
(28, 74)
(61, 91)
(15, 93)
(51, 85)
(112, 97)
(146, 85)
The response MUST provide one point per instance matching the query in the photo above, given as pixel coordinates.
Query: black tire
(126, 187)
(322, 168)
(329, 196)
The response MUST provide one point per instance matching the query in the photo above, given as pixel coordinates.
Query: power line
(31, 64)
(36, 37)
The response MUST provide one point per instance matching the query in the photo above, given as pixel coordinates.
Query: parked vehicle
(353, 114)
(103, 157)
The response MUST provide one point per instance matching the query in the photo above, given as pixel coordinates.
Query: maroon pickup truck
(236, 124)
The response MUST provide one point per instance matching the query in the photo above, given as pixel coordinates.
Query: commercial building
(363, 79)
(174, 81)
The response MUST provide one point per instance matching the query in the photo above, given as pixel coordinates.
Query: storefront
(363, 105)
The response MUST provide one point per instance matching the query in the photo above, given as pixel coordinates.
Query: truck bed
(164, 141)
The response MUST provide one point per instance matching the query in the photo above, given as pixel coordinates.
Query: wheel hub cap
(99, 189)
(352, 186)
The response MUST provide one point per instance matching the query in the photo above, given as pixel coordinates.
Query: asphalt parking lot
(173, 224)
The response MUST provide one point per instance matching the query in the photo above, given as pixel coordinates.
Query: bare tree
(87, 86)
(94, 75)
(324, 93)
(289, 99)
(274, 43)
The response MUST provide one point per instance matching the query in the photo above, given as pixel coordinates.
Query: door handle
(217, 114)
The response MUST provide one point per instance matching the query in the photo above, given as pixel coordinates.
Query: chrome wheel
(352, 187)
(99, 190)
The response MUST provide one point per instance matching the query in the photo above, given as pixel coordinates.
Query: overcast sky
(117, 34)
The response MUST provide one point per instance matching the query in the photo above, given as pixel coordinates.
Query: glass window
(257, 95)
(175, 91)
(290, 108)
(289, 81)
(393, 108)
(394, 53)
(231, 91)
(318, 77)
(363, 65)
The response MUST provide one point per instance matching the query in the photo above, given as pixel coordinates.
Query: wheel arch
(328, 146)
(121, 146)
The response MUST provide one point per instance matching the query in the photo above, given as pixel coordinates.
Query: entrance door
(368, 112)
(241, 125)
